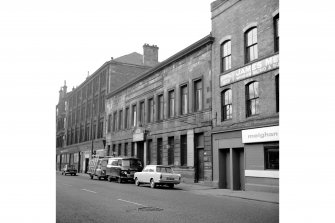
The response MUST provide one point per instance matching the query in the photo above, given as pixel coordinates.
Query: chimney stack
(150, 55)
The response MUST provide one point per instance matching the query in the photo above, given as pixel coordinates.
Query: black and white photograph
(151, 111)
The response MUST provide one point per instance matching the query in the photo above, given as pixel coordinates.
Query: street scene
(80, 199)
(191, 138)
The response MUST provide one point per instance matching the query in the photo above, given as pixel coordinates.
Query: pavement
(212, 191)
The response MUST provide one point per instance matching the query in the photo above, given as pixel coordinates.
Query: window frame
(276, 33)
(160, 107)
(114, 121)
(224, 116)
(253, 45)
(126, 117)
(186, 85)
(223, 57)
(197, 107)
(120, 123)
(141, 117)
(249, 100)
(150, 116)
(134, 115)
(169, 103)
(267, 163)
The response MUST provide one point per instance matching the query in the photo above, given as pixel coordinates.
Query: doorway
(224, 168)
(238, 169)
(86, 164)
(140, 151)
(200, 165)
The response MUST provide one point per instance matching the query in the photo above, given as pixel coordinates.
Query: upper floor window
(276, 32)
(252, 99)
(184, 99)
(198, 95)
(151, 110)
(141, 112)
(109, 123)
(226, 103)
(251, 45)
(160, 107)
(226, 56)
(114, 121)
(134, 115)
(120, 119)
(171, 103)
(126, 118)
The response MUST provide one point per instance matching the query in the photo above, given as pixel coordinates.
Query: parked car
(69, 169)
(122, 168)
(97, 167)
(157, 175)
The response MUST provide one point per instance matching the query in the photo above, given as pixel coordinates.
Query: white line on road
(132, 202)
(68, 185)
(89, 191)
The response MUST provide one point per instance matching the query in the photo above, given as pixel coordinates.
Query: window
(184, 101)
(95, 105)
(276, 32)
(102, 103)
(132, 149)
(134, 115)
(151, 110)
(198, 95)
(113, 150)
(126, 149)
(171, 104)
(141, 118)
(109, 122)
(149, 151)
(171, 151)
(277, 93)
(100, 128)
(126, 118)
(114, 121)
(83, 112)
(226, 103)
(94, 130)
(87, 133)
(271, 157)
(119, 150)
(251, 45)
(183, 150)
(159, 151)
(252, 97)
(120, 119)
(226, 56)
(160, 109)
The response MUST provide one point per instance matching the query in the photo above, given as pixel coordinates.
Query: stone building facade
(245, 102)
(164, 115)
(81, 112)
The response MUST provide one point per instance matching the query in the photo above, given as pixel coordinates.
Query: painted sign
(138, 135)
(266, 134)
(258, 67)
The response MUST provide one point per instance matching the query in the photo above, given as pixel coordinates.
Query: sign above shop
(253, 69)
(267, 134)
(138, 135)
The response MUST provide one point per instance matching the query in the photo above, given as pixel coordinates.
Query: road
(80, 199)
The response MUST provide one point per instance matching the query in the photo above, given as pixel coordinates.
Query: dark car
(123, 168)
(69, 169)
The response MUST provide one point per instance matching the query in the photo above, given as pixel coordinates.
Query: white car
(157, 175)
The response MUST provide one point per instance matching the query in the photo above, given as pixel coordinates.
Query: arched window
(251, 50)
(226, 105)
(225, 56)
(252, 99)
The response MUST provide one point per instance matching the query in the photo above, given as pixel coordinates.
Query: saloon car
(69, 169)
(157, 175)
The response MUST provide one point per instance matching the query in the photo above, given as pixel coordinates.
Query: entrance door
(238, 168)
(224, 168)
(140, 151)
(200, 165)
(86, 164)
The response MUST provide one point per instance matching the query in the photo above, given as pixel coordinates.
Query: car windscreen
(131, 163)
(162, 169)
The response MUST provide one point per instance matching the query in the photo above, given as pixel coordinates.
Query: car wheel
(171, 186)
(109, 179)
(152, 183)
(137, 183)
(91, 176)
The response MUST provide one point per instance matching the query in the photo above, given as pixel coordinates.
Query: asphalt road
(80, 199)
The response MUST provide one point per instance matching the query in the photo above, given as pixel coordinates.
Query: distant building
(164, 115)
(245, 101)
(81, 112)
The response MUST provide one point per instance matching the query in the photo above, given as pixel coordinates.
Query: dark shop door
(200, 165)
(224, 168)
(140, 151)
(86, 164)
(238, 168)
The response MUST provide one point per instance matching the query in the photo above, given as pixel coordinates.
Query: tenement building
(81, 112)
(245, 102)
(164, 117)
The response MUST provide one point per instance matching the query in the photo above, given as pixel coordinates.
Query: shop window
(171, 103)
(276, 32)
(226, 105)
(272, 157)
(252, 99)
(184, 99)
(225, 56)
(197, 95)
(251, 49)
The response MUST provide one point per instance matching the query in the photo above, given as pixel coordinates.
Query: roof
(132, 58)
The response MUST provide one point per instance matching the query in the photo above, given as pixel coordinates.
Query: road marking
(68, 185)
(132, 202)
(89, 191)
